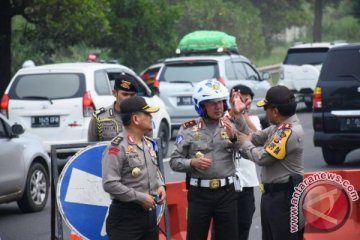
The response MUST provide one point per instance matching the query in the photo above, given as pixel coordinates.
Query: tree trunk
(5, 45)
(317, 30)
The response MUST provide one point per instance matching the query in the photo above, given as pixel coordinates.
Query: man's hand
(229, 127)
(201, 163)
(238, 104)
(162, 194)
(149, 203)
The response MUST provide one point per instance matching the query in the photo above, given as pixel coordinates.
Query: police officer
(131, 176)
(279, 150)
(106, 122)
(204, 150)
(246, 169)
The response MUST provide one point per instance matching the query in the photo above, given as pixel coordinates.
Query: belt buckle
(262, 187)
(214, 183)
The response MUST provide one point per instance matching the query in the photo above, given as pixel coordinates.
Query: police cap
(136, 104)
(125, 82)
(276, 96)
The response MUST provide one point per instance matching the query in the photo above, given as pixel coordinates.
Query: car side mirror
(17, 129)
(265, 76)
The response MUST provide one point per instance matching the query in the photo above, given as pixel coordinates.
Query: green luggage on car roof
(202, 41)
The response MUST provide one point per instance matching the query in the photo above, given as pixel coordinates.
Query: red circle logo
(326, 206)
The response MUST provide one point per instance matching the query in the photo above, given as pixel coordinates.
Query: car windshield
(301, 56)
(189, 72)
(342, 65)
(48, 86)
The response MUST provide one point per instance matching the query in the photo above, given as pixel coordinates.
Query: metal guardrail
(271, 68)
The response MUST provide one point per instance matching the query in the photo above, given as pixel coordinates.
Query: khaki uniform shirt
(278, 149)
(194, 136)
(105, 125)
(130, 170)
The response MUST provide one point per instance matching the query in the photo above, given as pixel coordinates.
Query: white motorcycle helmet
(210, 89)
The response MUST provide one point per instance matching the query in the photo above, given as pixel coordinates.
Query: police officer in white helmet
(204, 151)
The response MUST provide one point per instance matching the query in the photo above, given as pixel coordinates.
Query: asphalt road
(15, 225)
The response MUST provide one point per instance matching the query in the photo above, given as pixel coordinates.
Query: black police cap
(136, 104)
(125, 82)
(277, 95)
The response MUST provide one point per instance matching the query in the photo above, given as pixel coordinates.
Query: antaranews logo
(322, 200)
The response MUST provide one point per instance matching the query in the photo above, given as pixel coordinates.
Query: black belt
(277, 187)
(130, 205)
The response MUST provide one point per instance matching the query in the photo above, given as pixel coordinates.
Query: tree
(143, 31)
(276, 15)
(237, 19)
(62, 22)
(317, 28)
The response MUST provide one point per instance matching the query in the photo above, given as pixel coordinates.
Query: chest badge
(224, 136)
(136, 172)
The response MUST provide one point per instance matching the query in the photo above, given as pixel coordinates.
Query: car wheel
(164, 138)
(334, 157)
(36, 190)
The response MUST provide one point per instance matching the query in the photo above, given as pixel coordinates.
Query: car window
(341, 65)
(229, 70)
(240, 70)
(189, 72)
(251, 73)
(301, 56)
(52, 86)
(102, 86)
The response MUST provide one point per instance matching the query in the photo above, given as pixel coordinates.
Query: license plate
(45, 121)
(184, 101)
(350, 123)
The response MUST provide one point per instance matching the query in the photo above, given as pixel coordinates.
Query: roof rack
(217, 51)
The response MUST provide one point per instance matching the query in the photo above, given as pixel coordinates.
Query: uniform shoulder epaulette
(117, 140)
(188, 124)
(153, 142)
(99, 111)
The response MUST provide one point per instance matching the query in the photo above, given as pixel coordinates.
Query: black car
(336, 104)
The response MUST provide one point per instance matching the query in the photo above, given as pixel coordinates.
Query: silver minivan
(179, 75)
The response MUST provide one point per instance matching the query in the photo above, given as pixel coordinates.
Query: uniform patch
(179, 139)
(277, 146)
(116, 141)
(113, 151)
(188, 124)
(99, 111)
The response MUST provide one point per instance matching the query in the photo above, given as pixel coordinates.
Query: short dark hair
(126, 119)
(243, 90)
(286, 110)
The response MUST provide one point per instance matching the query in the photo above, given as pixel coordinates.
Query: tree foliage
(59, 22)
(143, 31)
(238, 19)
(276, 15)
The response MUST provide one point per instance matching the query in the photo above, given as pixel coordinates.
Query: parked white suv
(179, 75)
(56, 101)
(301, 69)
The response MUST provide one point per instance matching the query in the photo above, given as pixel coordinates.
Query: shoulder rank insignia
(116, 141)
(113, 151)
(99, 111)
(277, 146)
(154, 144)
(188, 124)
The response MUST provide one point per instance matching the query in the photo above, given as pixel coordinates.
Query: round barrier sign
(82, 202)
